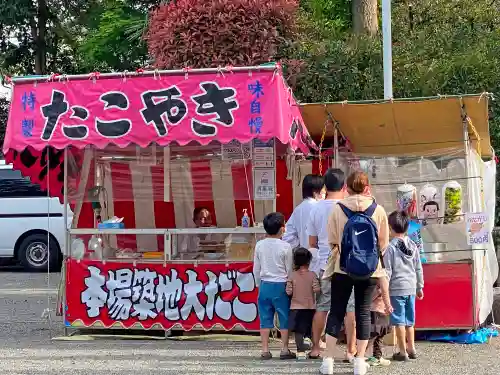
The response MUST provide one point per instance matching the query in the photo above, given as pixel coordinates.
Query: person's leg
(350, 329)
(319, 321)
(377, 347)
(266, 316)
(410, 327)
(363, 295)
(398, 321)
(299, 341)
(401, 337)
(342, 285)
(282, 306)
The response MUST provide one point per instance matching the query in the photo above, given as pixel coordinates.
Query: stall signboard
(185, 295)
(263, 153)
(235, 150)
(201, 107)
(264, 184)
(477, 228)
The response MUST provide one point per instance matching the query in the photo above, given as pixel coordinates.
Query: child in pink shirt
(302, 286)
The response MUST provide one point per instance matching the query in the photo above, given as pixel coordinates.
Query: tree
(4, 114)
(114, 37)
(33, 35)
(199, 33)
(439, 47)
(365, 17)
(72, 36)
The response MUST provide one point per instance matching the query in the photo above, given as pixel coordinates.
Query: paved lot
(27, 347)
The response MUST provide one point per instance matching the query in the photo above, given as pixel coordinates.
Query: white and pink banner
(182, 108)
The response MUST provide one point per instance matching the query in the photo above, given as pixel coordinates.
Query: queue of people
(333, 265)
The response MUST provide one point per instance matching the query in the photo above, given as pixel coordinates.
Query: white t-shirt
(317, 226)
(296, 226)
(273, 260)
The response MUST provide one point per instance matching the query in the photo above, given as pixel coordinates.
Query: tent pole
(470, 208)
(67, 251)
(335, 147)
(147, 73)
(387, 48)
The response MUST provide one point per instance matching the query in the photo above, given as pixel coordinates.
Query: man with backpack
(358, 233)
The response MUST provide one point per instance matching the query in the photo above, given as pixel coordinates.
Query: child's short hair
(273, 222)
(399, 221)
(301, 257)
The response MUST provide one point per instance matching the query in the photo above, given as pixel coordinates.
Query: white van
(31, 224)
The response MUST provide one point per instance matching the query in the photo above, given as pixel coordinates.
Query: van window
(14, 185)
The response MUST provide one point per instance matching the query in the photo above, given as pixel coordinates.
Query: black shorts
(300, 321)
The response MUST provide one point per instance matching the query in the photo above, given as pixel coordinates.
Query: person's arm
(291, 233)
(312, 231)
(383, 284)
(256, 266)
(289, 260)
(420, 275)
(388, 262)
(383, 230)
(289, 287)
(333, 235)
(316, 285)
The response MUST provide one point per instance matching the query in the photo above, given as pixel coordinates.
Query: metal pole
(387, 47)
(335, 147)
(67, 251)
(147, 73)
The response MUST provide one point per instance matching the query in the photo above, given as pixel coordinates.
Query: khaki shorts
(323, 299)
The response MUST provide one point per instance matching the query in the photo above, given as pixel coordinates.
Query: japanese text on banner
(183, 294)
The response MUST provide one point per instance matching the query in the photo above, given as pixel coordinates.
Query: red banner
(151, 294)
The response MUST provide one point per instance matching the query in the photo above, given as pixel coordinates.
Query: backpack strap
(347, 211)
(371, 210)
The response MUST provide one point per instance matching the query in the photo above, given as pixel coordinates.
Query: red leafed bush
(211, 33)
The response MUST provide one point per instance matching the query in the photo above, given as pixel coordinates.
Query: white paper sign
(263, 154)
(477, 228)
(234, 150)
(264, 186)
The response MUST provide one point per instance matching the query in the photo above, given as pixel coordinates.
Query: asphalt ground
(31, 343)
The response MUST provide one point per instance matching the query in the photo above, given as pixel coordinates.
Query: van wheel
(35, 255)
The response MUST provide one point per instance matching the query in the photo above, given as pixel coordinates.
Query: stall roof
(399, 127)
(163, 107)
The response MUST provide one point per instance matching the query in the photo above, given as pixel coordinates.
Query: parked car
(31, 224)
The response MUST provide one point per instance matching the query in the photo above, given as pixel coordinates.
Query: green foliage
(439, 47)
(200, 33)
(115, 42)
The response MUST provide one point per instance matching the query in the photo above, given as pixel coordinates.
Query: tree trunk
(365, 17)
(39, 38)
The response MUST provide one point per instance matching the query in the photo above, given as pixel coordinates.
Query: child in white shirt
(273, 263)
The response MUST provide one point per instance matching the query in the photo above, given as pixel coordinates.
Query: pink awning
(182, 106)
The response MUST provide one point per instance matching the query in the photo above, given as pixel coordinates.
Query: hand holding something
(420, 294)
(388, 310)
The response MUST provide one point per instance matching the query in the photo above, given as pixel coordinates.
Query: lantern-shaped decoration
(406, 199)
(429, 204)
(452, 202)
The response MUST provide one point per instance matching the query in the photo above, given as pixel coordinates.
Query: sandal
(309, 356)
(287, 355)
(266, 356)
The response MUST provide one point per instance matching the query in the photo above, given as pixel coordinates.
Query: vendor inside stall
(191, 243)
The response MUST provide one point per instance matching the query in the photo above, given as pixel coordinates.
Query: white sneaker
(326, 366)
(360, 366)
